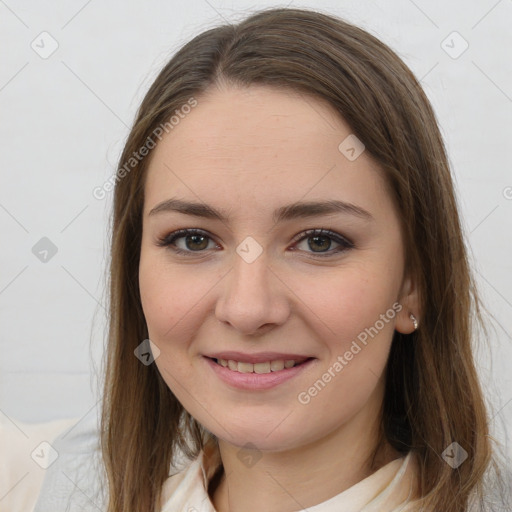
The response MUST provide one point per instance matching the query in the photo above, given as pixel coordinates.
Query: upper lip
(260, 357)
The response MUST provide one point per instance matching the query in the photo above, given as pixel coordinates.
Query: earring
(414, 321)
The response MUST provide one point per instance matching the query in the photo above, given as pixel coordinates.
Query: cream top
(390, 489)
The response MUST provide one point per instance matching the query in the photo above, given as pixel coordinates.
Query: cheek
(171, 296)
(354, 311)
(349, 379)
(343, 302)
(170, 299)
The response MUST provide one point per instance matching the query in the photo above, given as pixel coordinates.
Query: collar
(389, 489)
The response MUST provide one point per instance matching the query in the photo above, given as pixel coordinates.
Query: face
(254, 283)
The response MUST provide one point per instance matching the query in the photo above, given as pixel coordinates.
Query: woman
(286, 234)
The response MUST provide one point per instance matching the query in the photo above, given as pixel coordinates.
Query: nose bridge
(250, 276)
(251, 296)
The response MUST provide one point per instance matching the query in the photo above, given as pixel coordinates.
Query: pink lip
(260, 357)
(256, 381)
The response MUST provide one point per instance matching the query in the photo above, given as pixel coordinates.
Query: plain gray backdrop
(71, 77)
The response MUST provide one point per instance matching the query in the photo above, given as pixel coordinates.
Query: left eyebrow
(284, 213)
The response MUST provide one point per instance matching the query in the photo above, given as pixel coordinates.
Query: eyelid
(168, 239)
(322, 232)
(344, 242)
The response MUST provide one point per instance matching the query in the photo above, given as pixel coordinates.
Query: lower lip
(256, 381)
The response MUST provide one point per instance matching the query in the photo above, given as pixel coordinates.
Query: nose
(253, 299)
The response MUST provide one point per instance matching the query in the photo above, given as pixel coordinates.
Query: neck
(302, 477)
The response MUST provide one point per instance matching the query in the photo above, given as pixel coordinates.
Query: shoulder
(187, 489)
(75, 480)
(27, 453)
(182, 483)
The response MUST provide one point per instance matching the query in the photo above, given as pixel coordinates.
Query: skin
(248, 152)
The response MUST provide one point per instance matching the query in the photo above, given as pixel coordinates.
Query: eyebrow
(284, 213)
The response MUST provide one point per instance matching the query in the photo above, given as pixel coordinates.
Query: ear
(409, 300)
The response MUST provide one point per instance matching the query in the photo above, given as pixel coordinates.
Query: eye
(319, 241)
(188, 241)
(194, 240)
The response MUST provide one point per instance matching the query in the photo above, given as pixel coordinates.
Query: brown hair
(433, 396)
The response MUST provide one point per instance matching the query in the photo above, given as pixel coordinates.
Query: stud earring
(414, 321)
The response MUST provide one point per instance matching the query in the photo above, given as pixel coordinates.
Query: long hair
(433, 397)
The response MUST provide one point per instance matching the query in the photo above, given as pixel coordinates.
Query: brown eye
(319, 241)
(194, 242)
(190, 241)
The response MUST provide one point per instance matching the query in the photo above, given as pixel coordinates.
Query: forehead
(243, 123)
(260, 146)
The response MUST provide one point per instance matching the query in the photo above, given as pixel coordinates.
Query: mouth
(265, 371)
(270, 366)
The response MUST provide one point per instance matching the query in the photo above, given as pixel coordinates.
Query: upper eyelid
(320, 232)
(299, 237)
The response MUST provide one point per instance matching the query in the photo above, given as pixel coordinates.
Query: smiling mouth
(259, 368)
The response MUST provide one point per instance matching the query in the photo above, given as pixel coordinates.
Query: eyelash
(345, 244)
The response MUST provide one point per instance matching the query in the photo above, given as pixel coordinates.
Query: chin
(264, 435)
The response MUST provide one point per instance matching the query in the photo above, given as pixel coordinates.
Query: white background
(64, 120)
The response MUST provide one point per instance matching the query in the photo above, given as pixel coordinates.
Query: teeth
(245, 367)
(267, 367)
(261, 367)
(275, 366)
